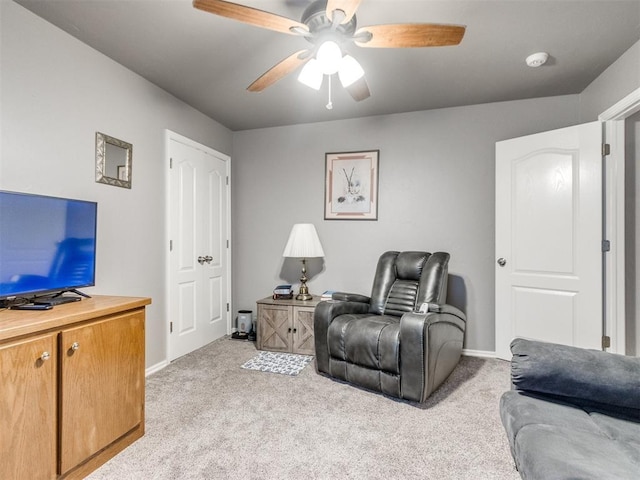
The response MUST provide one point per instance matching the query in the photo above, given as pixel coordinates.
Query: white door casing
(549, 233)
(615, 262)
(199, 266)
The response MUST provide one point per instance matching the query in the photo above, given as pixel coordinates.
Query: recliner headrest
(409, 265)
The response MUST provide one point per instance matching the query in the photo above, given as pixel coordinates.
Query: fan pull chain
(330, 104)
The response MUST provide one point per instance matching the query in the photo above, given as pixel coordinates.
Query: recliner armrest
(350, 297)
(423, 338)
(576, 373)
(324, 314)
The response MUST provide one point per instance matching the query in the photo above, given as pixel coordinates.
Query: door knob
(502, 262)
(201, 260)
(208, 258)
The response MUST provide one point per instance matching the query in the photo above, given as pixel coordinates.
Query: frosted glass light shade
(303, 242)
(350, 71)
(329, 57)
(311, 75)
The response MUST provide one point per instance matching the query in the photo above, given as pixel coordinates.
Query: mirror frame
(101, 160)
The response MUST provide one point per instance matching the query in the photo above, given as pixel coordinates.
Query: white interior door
(199, 261)
(549, 238)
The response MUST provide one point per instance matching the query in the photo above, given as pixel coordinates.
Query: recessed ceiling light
(537, 59)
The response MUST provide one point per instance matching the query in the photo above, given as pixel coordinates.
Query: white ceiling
(208, 61)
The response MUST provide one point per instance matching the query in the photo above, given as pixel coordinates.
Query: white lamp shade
(350, 71)
(311, 74)
(329, 57)
(303, 242)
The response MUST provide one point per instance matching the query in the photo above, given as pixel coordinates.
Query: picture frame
(351, 185)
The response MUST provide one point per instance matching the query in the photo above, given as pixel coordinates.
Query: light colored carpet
(208, 418)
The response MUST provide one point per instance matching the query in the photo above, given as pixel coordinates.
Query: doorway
(199, 239)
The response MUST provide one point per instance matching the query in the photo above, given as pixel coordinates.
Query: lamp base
(304, 296)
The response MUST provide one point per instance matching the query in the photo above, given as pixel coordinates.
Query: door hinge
(227, 179)
(606, 341)
(606, 246)
(227, 307)
(170, 162)
(227, 243)
(606, 149)
(170, 327)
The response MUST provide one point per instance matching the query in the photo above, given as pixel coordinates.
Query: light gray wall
(56, 93)
(436, 193)
(436, 173)
(616, 82)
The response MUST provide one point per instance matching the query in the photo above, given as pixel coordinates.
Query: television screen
(47, 244)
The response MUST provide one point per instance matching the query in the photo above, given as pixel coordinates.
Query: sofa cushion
(519, 409)
(559, 440)
(369, 341)
(552, 453)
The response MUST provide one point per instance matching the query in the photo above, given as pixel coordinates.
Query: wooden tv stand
(72, 386)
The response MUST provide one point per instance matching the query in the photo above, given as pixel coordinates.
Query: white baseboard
(478, 353)
(155, 368)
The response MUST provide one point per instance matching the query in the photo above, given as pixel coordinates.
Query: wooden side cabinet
(72, 386)
(286, 325)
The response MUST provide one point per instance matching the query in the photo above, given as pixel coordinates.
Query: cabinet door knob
(45, 356)
(75, 346)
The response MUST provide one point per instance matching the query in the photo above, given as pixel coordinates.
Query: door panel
(549, 232)
(543, 217)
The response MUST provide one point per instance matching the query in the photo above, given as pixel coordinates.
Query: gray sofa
(572, 413)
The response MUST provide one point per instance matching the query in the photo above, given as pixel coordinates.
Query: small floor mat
(275, 362)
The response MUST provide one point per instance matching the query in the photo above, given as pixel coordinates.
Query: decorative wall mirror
(114, 160)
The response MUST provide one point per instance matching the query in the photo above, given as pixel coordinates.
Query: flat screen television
(47, 245)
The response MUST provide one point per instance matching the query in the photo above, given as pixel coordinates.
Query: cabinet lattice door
(275, 327)
(303, 339)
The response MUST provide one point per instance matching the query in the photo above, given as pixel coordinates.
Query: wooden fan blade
(410, 35)
(349, 8)
(280, 70)
(359, 89)
(252, 16)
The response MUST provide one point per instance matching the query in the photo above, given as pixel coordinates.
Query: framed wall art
(351, 185)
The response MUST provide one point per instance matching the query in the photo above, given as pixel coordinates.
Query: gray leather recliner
(383, 342)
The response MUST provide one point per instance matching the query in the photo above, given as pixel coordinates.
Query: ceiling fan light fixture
(350, 71)
(311, 74)
(329, 57)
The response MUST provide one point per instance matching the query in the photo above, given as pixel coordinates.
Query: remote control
(31, 306)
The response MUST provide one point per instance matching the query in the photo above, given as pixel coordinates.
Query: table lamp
(303, 243)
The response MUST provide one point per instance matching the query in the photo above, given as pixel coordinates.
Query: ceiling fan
(329, 25)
